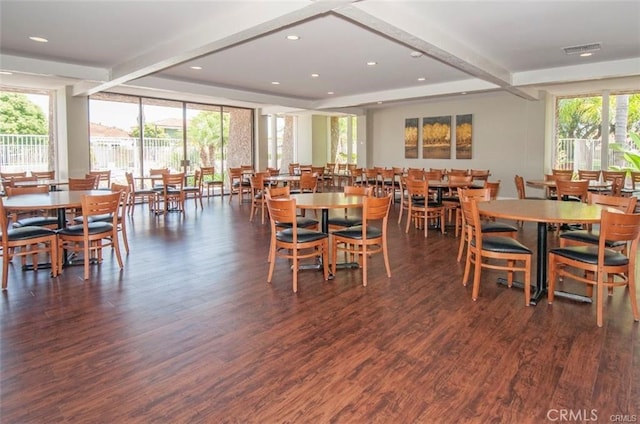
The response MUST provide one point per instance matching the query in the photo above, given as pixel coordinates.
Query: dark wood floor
(190, 332)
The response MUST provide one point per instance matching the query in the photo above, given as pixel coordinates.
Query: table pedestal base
(536, 294)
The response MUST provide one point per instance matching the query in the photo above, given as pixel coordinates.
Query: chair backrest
(480, 174)
(257, 183)
(584, 174)
(294, 168)
(375, 209)
(578, 188)
(273, 171)
(49, 175)
(282, 210)
(494, 186)
(459, 178)
(457, 172)
(82, 183)
(16, 191)
(612, 175)
(471, 218)
(624, 204)
(619, 227)
(207, 171)
(125, 200)
(432, 175)
(278, 192)
(417, 187)
(130, 182)
(11, 181)
(565, 174)
(173, 181)
(358, 190)
(7, 175)
(197, 179)
(478, 194)
(103, 176)
(96, 180)
(158, 171)
(100, 204)
(417, 173)
(519, 181)
(308, 182)
(635, 180)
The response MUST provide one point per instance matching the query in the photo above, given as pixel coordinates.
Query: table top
(328, 200)
(52, 200)
(282, 177)
(43, 181)
(452, 184)
(552, 183)
(548, 211)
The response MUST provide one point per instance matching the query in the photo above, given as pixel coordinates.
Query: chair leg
(553, 266)
(295, 270)
(599, 297)
(385, 255)
(325, 258)
(476, 278)
(527, 281)
(631, 287)
(364, 264)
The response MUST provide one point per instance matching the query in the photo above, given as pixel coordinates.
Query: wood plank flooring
(190, 332)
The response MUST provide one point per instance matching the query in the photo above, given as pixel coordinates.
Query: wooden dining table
(544, 212)
(593, 184)
(325, 202)
(58, 200)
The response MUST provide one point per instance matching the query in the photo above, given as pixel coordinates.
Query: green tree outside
(18, 115)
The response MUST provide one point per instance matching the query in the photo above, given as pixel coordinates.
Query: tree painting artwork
(436, 137)
(411, 138)
(464, 133)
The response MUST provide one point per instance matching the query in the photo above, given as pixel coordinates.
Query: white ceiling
(148, 47)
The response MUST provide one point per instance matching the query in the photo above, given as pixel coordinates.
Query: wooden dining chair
(589, 175)
(450, 200)
(134, 193)
(365, 239)
(338, 221)
(91, 237)
(26, 241)
(103, 177)
(421, 209)
(194, 190)
(479, 174)
(172, 194)
(294, 243)
(44, 175)
(87, 183)
(257, 195)
(488, 227)
(488, 251)
(238, 186)
(123, 209)
(211, 181)
(38, 218)
(596, 262)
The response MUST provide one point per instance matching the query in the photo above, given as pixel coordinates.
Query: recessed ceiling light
(585, 54)
(293, 37)
(329, 92)
(415, 54)
(379, 103)
(463, 92)
(197, 68)
(275, 83)
(315, 75)
(6, 73)
(39, 39)
(421, 79)
(372, 63)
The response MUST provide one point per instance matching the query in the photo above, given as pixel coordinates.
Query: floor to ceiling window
(344, 146)
(281, 131)
(26, 138)
(136, 134)
(583, 142)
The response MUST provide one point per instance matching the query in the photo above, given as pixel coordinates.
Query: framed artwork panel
(436, 137)
(411, 138)
(464, 136)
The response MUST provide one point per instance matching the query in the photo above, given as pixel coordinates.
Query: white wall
(508, 136)
(73, 134)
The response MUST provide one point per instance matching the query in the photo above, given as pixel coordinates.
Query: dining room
(139, 335)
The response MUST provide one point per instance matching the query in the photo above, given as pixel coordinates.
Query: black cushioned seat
(344, 221)
(589, 254)
(502, 244)
(304, 235)
(93, 227)
(38, 221)
(497, 227)
(592, 237)
(105, 217)
(355, 232)
(27, 232)
(301, 221)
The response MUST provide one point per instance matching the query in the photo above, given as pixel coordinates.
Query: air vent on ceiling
(586, 48)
